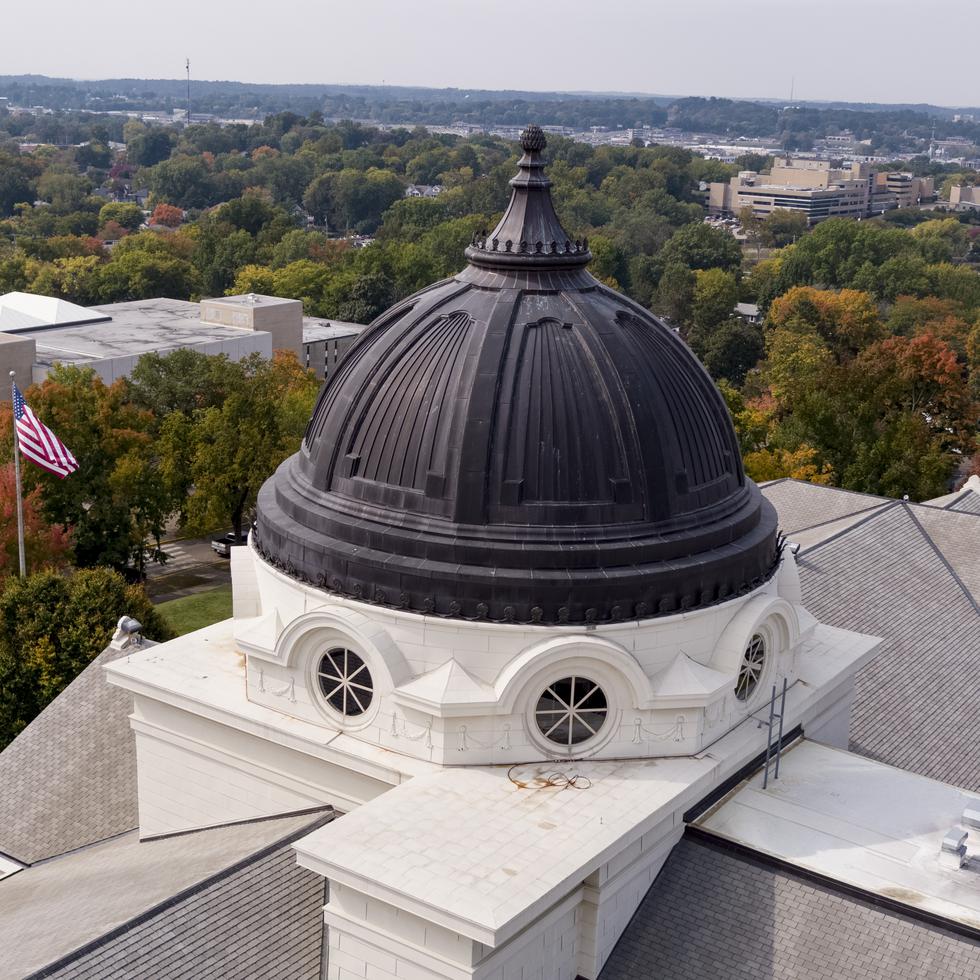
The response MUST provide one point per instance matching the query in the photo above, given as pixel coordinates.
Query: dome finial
(530, 233)
(533, 139)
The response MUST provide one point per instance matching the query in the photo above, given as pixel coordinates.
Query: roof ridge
(943, 510)
(181, 896)
(959, 496)
(939, 554)
(871, 515)
(853, 493)
(842, 517)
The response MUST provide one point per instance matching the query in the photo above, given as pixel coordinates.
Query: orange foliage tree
(166, 215)
(46, 545)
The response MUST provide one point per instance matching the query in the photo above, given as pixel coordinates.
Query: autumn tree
(847, 321)
(167, 215)
(45, 545)
(115, 501)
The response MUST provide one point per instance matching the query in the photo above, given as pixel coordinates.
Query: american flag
(38, 443)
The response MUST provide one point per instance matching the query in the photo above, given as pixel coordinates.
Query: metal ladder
(774, 748)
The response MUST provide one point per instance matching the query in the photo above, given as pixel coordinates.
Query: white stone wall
(193, 772)
(615, 891)
(370, 938)
(181, 789)
(411, 714)
(484, 649)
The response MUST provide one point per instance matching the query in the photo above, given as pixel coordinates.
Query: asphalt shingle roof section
(265, 920)
(69, 779)
(124, 899)
(888, 577)
(956, 534)
(713, 914)
(807, 505)
(968, 502)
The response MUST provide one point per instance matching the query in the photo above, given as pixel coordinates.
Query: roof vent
(952, 853)
(971, 815)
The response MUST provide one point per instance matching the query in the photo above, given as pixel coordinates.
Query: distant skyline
(854, 51)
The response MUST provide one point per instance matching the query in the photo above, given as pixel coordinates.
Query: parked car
(223, 545)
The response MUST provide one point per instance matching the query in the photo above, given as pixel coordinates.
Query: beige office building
(817, 189)
(964, 196)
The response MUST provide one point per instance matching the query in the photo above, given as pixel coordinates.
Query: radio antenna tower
(188, 66)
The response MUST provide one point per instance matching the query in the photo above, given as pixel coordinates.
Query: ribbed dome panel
(521, 443)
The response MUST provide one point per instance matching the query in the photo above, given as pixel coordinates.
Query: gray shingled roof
(967, 502)
(69, 779)
(956, 535)
(712, 914)
(806, 505)
(913, 702)
(232, 897)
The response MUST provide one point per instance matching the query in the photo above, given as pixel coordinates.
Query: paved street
(192, 567)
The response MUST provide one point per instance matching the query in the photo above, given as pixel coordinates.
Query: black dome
(520, 443)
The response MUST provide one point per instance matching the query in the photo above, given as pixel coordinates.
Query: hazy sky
(854, 50)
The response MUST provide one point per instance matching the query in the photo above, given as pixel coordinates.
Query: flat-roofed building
(37, 332)
(817, 189)
(964, 196)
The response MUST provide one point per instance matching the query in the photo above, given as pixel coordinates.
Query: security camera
(129, 625)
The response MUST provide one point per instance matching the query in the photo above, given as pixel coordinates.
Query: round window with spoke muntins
(345, 682)
(571, 711)
(751, 668)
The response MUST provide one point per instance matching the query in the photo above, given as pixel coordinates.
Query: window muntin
(345, 682)
(571, 710)
(751, 668)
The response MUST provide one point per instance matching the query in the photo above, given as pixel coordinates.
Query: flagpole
(20, 502)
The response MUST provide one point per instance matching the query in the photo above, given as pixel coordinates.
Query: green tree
(236, 446)
(783, 227)
(51, 628)
(16, 182)
(130, 216)
(148, 146)
(699, 246)
(675, 294)
(715, 296)
(143, 267)
(183, 181)
(66, 192)
(732, 350)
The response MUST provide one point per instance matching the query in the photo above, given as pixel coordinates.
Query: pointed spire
(529, 235)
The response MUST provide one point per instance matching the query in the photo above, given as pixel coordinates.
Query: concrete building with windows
(818, 190)
(495, 700)
(964, 197)
(37, 332)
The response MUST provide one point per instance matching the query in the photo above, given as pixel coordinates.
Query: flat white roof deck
(859, 822)
(484, 854)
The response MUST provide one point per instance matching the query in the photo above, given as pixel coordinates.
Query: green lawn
(194, 611)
